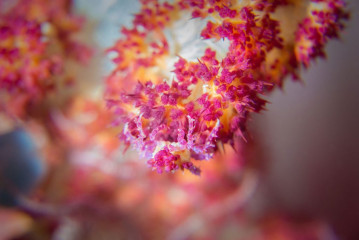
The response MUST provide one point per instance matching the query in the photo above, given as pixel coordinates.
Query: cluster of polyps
(36, 39)
(173, 120)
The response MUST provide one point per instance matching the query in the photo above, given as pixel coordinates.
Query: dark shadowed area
(310, 135)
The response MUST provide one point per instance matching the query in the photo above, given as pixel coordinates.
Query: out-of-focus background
(303, 182)
(310, 138)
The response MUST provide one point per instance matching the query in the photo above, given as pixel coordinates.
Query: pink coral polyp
(179, 114)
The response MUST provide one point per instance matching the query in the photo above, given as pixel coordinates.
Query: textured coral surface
(176, 110)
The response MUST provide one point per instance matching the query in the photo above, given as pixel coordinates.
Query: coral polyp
(176, 105)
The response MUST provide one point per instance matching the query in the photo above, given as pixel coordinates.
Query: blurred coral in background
(182, 83)
(36, 44)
